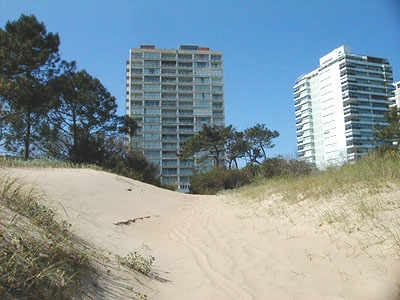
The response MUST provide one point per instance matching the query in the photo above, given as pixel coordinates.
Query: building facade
(338, 104)
(395, 99)
(171, 94)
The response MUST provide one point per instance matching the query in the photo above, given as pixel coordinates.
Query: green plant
(218, 180)
(39, 257)
(137, 262)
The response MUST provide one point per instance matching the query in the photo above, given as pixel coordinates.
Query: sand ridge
(211, 247)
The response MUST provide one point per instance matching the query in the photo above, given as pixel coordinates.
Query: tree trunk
(28, 135)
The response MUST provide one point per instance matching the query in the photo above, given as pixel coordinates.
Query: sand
(212, 247)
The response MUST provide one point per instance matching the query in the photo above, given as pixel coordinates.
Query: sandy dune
(209, 247)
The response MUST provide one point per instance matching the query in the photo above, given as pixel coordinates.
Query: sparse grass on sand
(40, 258)
(361, 199)
(14, 162)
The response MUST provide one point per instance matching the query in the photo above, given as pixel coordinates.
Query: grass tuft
(39, 257)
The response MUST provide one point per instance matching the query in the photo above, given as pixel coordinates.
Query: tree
(237, 147)
(29, 57)
(82, 117)
(210, 142)
(389, 133)
(259, 137)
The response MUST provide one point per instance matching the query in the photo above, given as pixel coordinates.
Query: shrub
(277, 166)
(218, 180)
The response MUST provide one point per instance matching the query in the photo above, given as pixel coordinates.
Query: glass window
(151, 63)
(151, 136)
(151, 71)
(202, 104)
(202, 96)
(137, 55)
(152, 78)
(136, 71)
(205, 88)
(151, 55)
(148, 87)
(151, 120)
(137, 111)
(152, 111)
(152, 153)
(152, 127)
(202, 79)
(149, 95)
(151, 103)
(151, 144)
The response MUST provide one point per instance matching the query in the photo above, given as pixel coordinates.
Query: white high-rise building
(171, 94)
(338, 104)
(395, 100)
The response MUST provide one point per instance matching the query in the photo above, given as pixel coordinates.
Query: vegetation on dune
(371, 173)
(40, 258)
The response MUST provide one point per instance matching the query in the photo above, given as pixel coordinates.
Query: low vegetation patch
(137, 262)
(40, 258)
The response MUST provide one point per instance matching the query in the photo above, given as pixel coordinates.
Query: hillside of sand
(216, 247)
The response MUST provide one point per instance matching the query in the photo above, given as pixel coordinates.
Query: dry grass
(39, 257)
(361, 199)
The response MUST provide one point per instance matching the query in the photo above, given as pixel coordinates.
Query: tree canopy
(389, 133)
(29, 57)
(209, 143)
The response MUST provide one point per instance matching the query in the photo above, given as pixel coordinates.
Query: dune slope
(212, 247)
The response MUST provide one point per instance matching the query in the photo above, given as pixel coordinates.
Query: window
(137, 111)
(202, 79)
(152, 153)
(202, 104)
(148, 87)
(151, 71)
(151, 63)
(152, 78)
(216, 89)
(151, 103)
(152, 127)
(202, 96)
(137, 55)
(202, 88)
(201, 65)
(151, 136)
(152, 111)
(151, 120)
(149, 95)
(151, 55)
(136, 71)
(151, 144)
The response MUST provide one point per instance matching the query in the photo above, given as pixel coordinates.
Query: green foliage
(218, 180)
(258, 138)
(210, 141)
(277, 166)
(137, 262)
(390, 133)
(370, 173)
(29, 56)
(83, 114)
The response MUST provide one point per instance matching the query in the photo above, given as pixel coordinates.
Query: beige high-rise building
(171, 94)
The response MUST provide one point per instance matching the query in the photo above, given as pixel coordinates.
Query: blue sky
(266, 44)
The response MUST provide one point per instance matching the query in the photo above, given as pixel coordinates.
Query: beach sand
(212, 247)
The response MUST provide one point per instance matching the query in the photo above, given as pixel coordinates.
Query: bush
(277, 166)
(217, 180)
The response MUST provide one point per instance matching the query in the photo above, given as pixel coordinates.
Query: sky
(267, 45)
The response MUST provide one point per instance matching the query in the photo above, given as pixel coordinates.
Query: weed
(137, 262)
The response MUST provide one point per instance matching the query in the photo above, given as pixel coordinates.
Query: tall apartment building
(171, 94)
(338, 104)
(395, 99)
